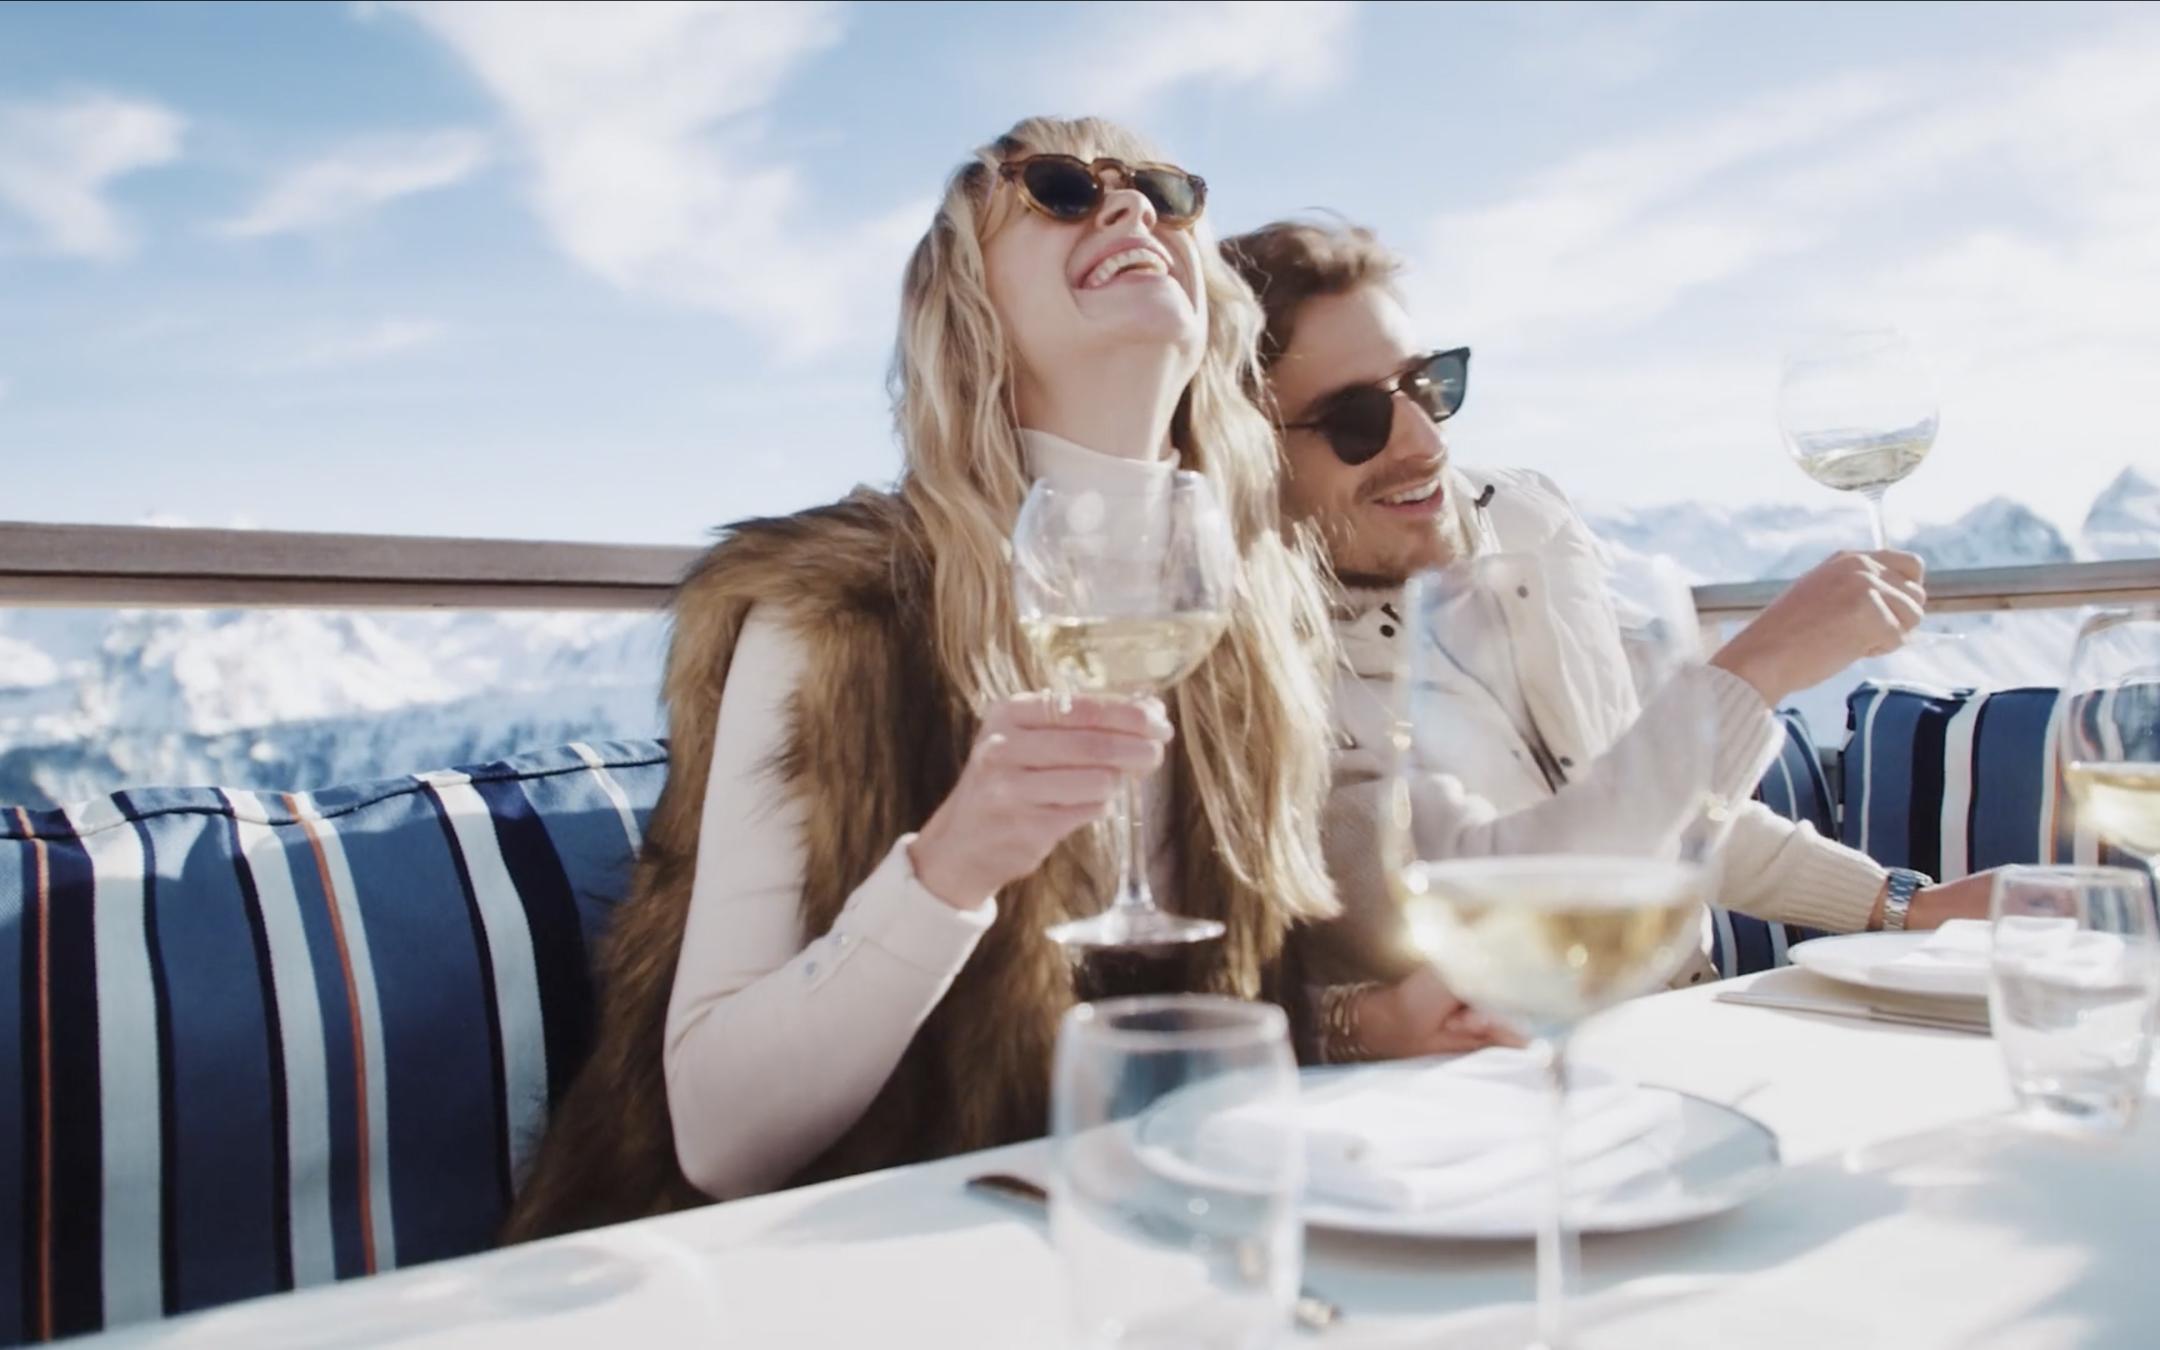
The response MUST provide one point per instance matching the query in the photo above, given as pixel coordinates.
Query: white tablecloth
(1910, 1217)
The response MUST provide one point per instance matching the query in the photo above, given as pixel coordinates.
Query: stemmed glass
(1603, 913)
(2109, 747)
(1858, 413)
(1125, 595)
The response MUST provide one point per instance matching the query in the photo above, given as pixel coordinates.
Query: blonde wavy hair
(1253, 719)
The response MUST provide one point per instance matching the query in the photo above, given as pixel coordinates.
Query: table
(1909, 1218)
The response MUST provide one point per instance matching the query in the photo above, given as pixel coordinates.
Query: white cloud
(378, 341)
(644, 127)
(1126, 56)
(641, 123)
(1606, 46)
(58, 158)
(1620, 233)
(1631, 300)
(360, 178)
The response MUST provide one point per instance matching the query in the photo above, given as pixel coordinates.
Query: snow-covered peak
(2125, 518)
(1997, 533)
(207, 672)
(1725, 543)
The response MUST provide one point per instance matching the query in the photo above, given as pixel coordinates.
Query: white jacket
(1482, 786)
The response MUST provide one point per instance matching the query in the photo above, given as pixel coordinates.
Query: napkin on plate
(1414, 1138)
(1966, 946)
(1960, 946)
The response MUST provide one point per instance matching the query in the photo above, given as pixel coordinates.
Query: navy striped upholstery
(255, 1041)
(1795, 787)
(1952, 782)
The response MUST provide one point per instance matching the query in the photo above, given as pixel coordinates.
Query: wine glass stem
(1555, 1240)
(1133, 893)
(1875, 517)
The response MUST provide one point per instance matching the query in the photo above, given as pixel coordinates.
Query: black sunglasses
(1358, 421)
(1069, 189)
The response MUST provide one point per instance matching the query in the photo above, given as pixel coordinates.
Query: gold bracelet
(1341, 1039)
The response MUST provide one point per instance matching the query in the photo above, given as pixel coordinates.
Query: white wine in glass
(1129, 658)
(1547, 940)
(1858, 413)
(2122, 801)
(1125, 596)
(2110, 741)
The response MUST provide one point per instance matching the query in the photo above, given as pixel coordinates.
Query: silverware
(1866, 1012)
(1311, 1312)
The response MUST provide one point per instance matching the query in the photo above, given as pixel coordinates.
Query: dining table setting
(1906, 1203)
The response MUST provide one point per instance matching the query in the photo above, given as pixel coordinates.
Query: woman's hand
(1037, 773)
(1420, 1015)
(1850, 606)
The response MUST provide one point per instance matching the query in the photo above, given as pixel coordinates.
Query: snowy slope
(93, 700)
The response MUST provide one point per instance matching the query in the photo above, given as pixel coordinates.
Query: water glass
(1168, 1238)
(2074, 992)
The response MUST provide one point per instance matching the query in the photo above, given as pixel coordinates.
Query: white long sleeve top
(776, 1044)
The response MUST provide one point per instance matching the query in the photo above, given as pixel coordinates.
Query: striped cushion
(254, 1041)
(1795, 787)
(1952, 782)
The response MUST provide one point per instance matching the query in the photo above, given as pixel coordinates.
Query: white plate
(1719, 1160)
(1869, 960)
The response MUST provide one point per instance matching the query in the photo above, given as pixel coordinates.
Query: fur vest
(876, 739)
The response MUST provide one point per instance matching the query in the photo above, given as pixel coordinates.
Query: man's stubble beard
(1453, 543)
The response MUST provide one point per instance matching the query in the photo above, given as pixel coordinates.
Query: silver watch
(1897, 900)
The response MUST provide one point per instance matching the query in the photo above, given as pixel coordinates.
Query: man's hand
(1934, 906)
(1421, 1016)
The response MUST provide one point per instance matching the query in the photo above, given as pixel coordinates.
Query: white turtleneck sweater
(775, 1043)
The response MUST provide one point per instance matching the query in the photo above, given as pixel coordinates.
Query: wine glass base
(1135, 928)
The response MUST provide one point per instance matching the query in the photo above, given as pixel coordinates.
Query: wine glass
(2109, 748)
(1125, 594)
(1859, 413)
(1605, 909)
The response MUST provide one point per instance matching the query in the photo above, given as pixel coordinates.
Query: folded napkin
(1959, 947)
(1405, 1138)
(1965, 947)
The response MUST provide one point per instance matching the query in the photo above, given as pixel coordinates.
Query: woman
(833, 958)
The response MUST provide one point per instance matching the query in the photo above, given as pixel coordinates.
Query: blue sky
(627, 272)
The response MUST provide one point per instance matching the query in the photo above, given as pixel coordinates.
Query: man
(1360, 402)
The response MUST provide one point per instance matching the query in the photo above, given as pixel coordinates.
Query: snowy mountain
(1997, 533)
(298, 698)
(2125, 518)
(1717, 543)
(1999, 650)
(95, 700)
(1720, 543)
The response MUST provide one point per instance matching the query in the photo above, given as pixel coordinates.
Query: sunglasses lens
(1358, 424)
(1065, 188)
(1175, 195)
(1440, 386)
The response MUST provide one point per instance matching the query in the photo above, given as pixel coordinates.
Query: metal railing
(132, 566)
(1978, 589)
